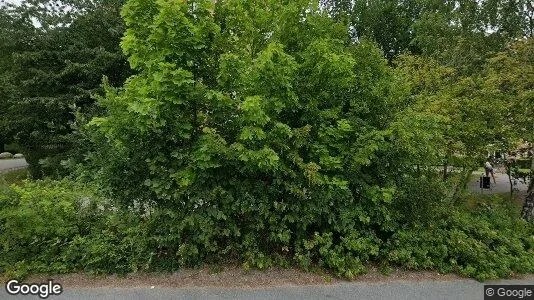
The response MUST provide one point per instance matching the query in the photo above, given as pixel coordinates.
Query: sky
(10, 1)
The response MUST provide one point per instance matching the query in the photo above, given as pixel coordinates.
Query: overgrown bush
(488, 243)
(523, 163)
(254, 139)
(38, 221)
(14, 177)
(61, 227)
(268, 145)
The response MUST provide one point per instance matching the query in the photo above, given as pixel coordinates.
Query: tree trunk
(528, 207)
(465, 176)
(446, 166)
(511, 186)
(32, 158)
(509, 173)
(2, 142)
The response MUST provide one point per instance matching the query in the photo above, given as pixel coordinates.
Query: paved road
(457, 289)
(502, 185)
(6, 164)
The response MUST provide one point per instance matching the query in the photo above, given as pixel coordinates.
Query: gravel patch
(237, 277)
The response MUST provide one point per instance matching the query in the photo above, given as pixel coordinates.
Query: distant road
(501, 186)
(8, 164)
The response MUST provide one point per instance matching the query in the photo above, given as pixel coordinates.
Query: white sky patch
(4, 2)
(51, 7)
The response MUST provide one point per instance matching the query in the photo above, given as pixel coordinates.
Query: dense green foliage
(51, 71)
(14, 177)
(275, 133)
(62, 227)
(459, 33)
(487, 242)
(287, 142)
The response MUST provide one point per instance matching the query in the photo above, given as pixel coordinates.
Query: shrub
(489, 243)
(61, 227)
(246, 149)
(523, 163)
(14, 176)
(266, 145)
(38, 221)
(251, 143)
(13, 148)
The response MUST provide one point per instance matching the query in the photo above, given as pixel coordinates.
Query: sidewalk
(502, 185)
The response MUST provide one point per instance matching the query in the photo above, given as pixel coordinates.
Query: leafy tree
(54, 71)
(458, 33)
(16, 34)
(473, 118)
(290, 134)
(389, 23)
(509, 18)
(511, 75)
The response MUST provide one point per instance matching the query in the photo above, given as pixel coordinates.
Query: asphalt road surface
(409, 290)
(502, 184)
(8, 164)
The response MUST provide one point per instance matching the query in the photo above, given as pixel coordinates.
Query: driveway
(8, 164)
(501, 186)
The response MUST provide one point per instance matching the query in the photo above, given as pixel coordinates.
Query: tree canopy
(273, 132)
(53, 62)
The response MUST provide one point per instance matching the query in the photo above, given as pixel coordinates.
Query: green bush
(61, 227)
(523, 163)
(489, 243)
(247, 148)
(13, 148)
(38, 221)
(58, 227)
(14, 177)
(268, 145)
